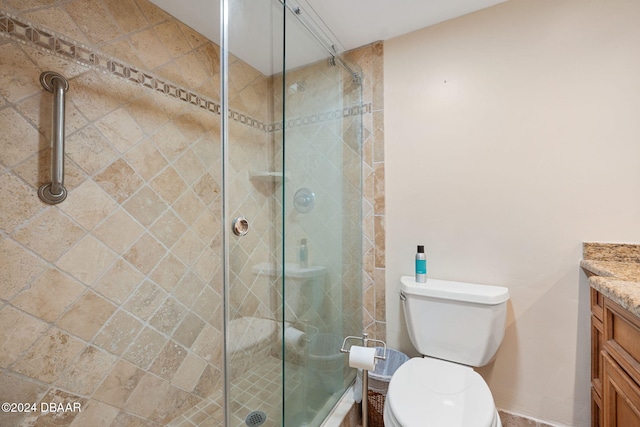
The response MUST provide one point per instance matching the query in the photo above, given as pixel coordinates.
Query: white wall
(513, 135)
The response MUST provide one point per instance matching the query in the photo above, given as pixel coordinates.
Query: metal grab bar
(54, 192)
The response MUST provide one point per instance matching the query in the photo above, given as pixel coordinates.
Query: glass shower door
(293, 182)
(253, 179)
(321, 214)
(111, 300)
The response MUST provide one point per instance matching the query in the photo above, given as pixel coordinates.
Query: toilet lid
(429, 392)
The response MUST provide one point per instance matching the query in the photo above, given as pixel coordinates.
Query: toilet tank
(455, 321)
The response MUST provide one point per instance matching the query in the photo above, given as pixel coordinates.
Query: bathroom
(501, 140)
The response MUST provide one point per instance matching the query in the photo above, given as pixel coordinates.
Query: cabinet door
(597, 340)
(597, 416)
(597, 304)
(621, 396)
(622, 337)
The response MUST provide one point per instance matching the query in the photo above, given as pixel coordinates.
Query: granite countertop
(614, 271)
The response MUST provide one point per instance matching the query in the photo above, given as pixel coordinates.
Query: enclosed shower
(206, 262)
(294, 283)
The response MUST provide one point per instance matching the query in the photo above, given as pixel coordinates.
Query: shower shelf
(268, 176)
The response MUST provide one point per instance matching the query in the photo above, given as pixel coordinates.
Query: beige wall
(511, 137)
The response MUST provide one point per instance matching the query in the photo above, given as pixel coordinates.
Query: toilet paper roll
(294, 338)
(362, 357)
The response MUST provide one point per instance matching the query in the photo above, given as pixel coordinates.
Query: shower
(299, 273)
(207, 259)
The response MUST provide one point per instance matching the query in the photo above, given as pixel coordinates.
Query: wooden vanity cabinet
(615, 364)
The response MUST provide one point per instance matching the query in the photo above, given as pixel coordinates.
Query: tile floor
(257, 389)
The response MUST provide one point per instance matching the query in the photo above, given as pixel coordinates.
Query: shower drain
(255, 418)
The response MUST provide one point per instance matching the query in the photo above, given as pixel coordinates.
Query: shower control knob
(304, 200)
(240, 226)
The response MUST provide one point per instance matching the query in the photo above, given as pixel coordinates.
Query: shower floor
(259, 389)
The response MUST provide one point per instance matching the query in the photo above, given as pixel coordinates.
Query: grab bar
(54, 192)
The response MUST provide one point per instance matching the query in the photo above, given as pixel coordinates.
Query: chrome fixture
(255, 419)
(323, 38)
(304, 200)
(365, 374)
(54, 191)
(240, 226)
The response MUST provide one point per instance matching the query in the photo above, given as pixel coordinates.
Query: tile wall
(323, 155)
(113, 298)
(370, 59)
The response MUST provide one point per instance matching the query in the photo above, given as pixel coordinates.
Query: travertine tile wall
(113, 298)
(116, 293)
(323, 155)
(370, 60)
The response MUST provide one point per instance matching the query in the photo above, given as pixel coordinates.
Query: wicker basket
(375, 406)
(378, 384)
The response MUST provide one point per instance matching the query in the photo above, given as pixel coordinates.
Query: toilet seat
(426, 392)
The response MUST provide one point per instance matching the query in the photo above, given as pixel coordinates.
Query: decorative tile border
(63, 47)
(351, 111)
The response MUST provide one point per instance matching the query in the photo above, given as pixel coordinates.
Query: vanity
(614, 279)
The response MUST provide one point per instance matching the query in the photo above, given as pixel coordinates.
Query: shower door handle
(240, 226)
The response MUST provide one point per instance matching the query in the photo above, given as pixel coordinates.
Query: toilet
(455, 326)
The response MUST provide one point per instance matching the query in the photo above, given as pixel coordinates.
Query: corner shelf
(275, 177)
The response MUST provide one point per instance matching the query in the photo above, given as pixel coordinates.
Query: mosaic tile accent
(61, 46)
(350, 111)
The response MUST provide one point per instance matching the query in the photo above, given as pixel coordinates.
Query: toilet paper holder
(365, 343)
(365, 374)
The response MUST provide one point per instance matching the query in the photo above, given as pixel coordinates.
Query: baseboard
(510, 419)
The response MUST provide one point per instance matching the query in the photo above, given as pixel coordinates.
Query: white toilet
(454, 326)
